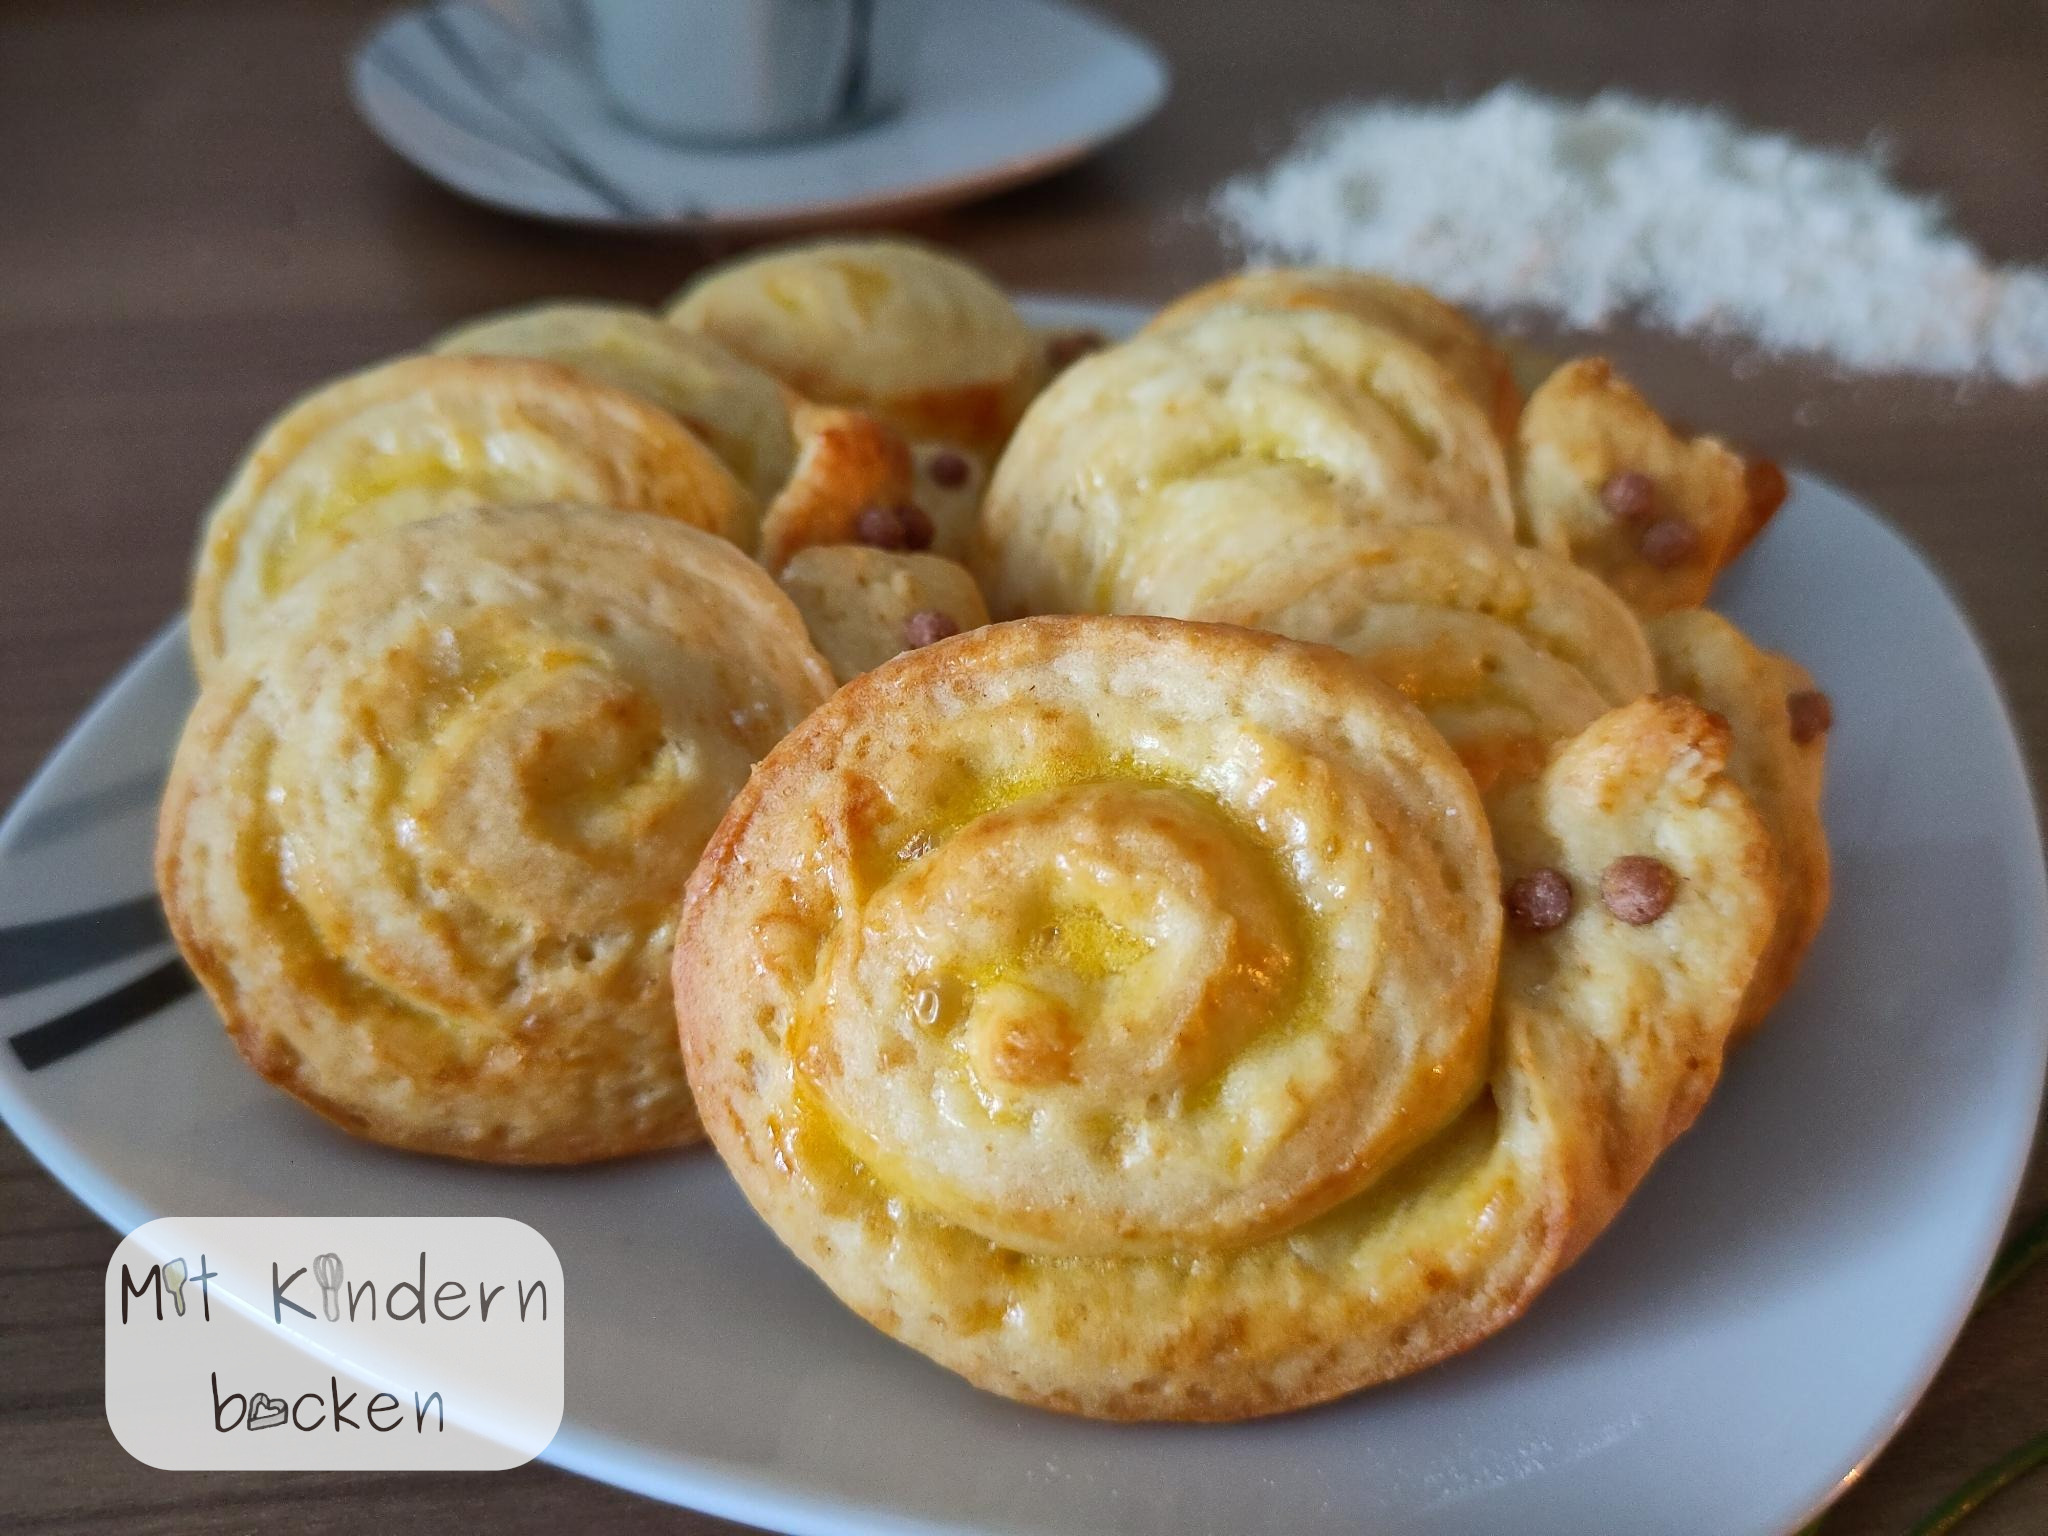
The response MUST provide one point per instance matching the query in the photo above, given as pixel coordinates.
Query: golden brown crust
(1650, 780)
(1703, 656)
(425, 831)
(846, 461)
(1011, 1163)
(1766, 489)
(426, 435)
(1584, 427)
(916, 337)
(1443, 331)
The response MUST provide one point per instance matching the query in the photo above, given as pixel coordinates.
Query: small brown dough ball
(1637, 888)
(858, 602)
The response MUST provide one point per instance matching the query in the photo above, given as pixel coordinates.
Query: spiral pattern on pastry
(1240, 424)
(1481, 368)
(426, 832)
(1508, 651)
(739, 411)
(1107, 1008)
(916, 336)
(426, 435)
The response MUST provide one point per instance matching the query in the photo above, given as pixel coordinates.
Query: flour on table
(1672, 215)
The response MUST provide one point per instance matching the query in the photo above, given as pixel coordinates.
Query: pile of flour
(1674, 216)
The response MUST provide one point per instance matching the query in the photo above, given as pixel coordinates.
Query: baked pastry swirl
(739, 411)
(809, 469)
(1601, 478)
(914, 336)
(1778, 721)
(1222, 439)
(427, 828)
(1508, 651)
(426, 435)
(1270, 469)
(1117, 1009)
(1481, 368)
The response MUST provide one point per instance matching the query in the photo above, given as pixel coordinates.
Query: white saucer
(1734, 1350)
(1003, 91)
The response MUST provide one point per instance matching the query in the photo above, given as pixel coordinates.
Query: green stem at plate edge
(2026, 1248)
(1966, 1500)
(2019, 1254)
(1972, 1496)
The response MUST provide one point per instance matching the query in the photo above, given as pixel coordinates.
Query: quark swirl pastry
(427, 435)
(1246, 425)
(809, 469)
(1779, 722)
(427, 827)
(1218, 500)
(1444, 332)
(1117, 1010)
(740, 412)
(1601, 478)
(917, 337)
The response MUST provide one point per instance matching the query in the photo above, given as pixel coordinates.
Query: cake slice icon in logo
(265, 1412)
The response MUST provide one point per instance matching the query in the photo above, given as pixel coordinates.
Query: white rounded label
(297, 1343)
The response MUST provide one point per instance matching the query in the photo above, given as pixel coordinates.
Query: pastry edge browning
(1710, 660)
(1586, 424)
(846, 461)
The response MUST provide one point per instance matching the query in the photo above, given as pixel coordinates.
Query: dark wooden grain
(193, 225)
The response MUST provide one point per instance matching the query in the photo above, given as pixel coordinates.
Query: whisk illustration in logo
(334, 1343)
(327, 1270)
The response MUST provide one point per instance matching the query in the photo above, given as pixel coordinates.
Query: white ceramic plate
(1741, 1343)
(1001, 92)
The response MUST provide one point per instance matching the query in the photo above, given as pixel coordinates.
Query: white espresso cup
(747, 71)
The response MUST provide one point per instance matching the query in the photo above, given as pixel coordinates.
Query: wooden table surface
(194, 225)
